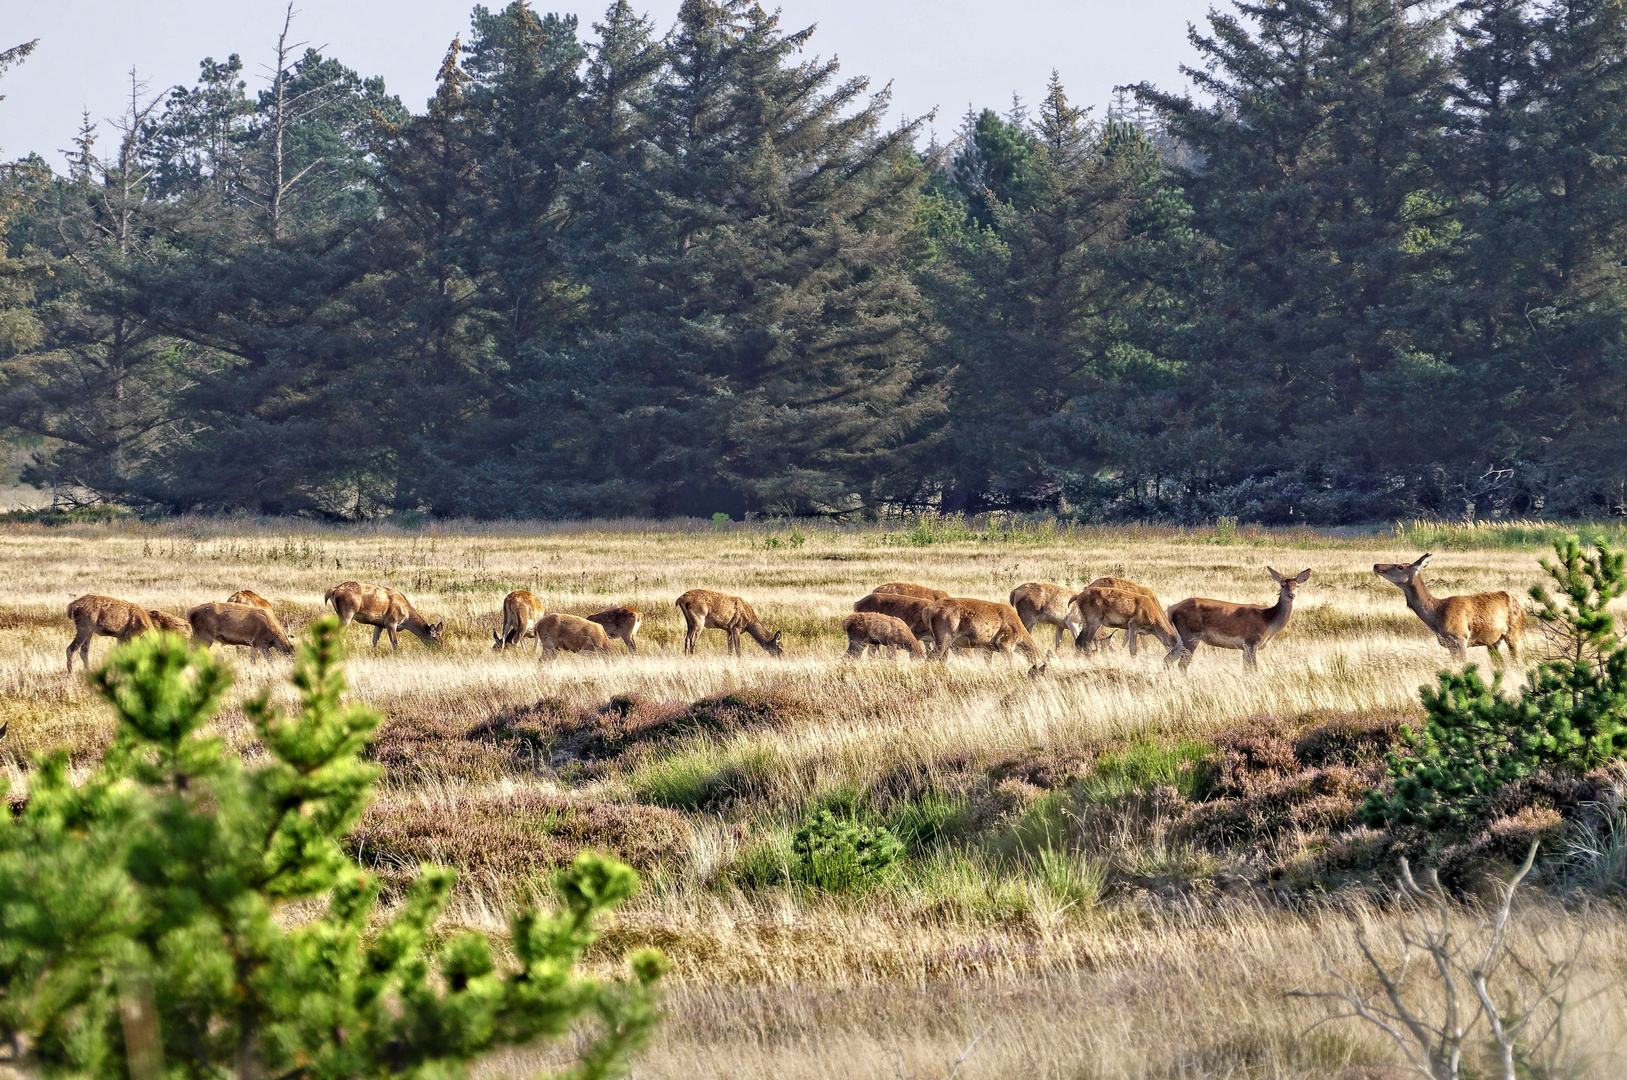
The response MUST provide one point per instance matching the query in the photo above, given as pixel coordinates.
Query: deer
(910, 610)
(238, 624)
(103, 616)
(252, 599)
(570, 633)
(1459, 622)
(521, 610)
(1233, 626)
(904, 588)
(619, 622)
(980, 624)
(707, 610)
(170, 624)
(1135, 613)
(1123, 585)
(1038, 603)
(866, 629)
(386, 610)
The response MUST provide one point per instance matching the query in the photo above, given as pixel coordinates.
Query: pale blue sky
(938, 53)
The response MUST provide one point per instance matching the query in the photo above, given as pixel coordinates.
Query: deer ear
(778, 634)
(1423, 560)
(1276, 575)
(1304, 577)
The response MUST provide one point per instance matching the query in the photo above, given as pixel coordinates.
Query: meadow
(1110, 870)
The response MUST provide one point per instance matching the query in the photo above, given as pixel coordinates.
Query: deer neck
(1423, 605)
(417, 627)
(1276, 616)
(759, 633)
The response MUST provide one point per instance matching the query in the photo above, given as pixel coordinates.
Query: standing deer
(707, 610)
(904, 588)
(1123, 585)
(1135, 613)
(1233, 626)
(252, 599)
(1459, 621)
(619, 622)
(980, 624)
(865, 629)
(386, 610)
(238, 624)
(103, 616)
(1039, 603)
(572, 633)
(521, 610)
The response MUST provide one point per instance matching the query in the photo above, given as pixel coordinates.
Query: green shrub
(933, 817)
(144, 913)
(841, 856)
(1570, 716)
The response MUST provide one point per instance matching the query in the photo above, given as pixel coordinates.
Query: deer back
(911, 610)
(109, 616)
(905, 588)
(1037, 599)
(170, 624)
(237, 624)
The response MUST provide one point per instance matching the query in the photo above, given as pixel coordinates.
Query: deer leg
(1251, 657)
(1188, 648)
(1131, 638)
(81, 641)
(395, 642)
(1513, 650)
(690, 634)
(378, 632)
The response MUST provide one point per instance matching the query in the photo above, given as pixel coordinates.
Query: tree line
(1372, 266)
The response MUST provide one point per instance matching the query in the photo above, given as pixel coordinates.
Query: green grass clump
(933, 818)
(704, 777)
(1146, 765)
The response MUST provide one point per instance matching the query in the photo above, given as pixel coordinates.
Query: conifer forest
(1370, 266)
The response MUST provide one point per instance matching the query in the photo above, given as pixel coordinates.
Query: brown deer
(911, 610)
(238, 624)
(252, 599)
(1038, 603)
(1123, 585)
(170, 624)
(572, 633)
(1233, 626)
(521, 610)
(386, 610)
(904, 588)
(707, 610)
(1135, 613)
(865, 629)
(103, 616)
(619, 622)
(980, 624)
(1459, 621)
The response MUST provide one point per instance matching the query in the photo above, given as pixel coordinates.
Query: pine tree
(145, 929)
(763, 349)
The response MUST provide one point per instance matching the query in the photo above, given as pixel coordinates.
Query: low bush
(842, 856)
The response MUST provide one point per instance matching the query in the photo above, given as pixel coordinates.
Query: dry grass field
(1076, 899)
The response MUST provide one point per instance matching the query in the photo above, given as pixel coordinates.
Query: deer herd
(920, 620)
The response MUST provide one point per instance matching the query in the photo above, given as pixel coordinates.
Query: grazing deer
(1123, 585)
(904, 588)
(1459, 621)
(1135, 613)
(911, 610)
(1233, 626)
(170, 624)
(707, 610)
(865, 629)
(238, 624)
(572, 633)
(103, 616)
(980, 624)
(386, 610)
(521, 610)
(619, 622)
(1038, 603)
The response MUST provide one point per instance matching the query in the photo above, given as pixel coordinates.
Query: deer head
(435, 632)
(1290, 585)
(1401, 573)
(774, 647)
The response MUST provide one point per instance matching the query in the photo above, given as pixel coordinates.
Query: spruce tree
(147, 911)
(761, 345)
